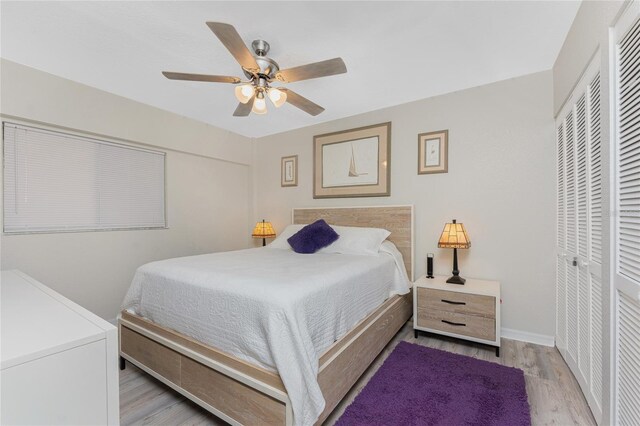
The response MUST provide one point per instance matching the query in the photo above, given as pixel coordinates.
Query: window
(57, 182)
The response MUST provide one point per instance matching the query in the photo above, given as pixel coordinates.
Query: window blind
(57, 182)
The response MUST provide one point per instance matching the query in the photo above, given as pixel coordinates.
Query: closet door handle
(459, 324)
(451, 302)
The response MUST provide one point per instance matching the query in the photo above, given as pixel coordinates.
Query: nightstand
(470, 311)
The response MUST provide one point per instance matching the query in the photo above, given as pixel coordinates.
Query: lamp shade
(259, 105)
(454, 236)
(263, 230)
(278, 97)
(244, 93)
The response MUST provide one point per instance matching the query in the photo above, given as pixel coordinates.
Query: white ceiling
(395, 52)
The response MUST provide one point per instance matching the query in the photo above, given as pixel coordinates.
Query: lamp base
(455, 279)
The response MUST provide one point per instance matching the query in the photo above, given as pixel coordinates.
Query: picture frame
(289, 171)
(353, 163)
(433, 152)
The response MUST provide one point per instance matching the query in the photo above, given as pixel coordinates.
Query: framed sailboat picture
(353, 163)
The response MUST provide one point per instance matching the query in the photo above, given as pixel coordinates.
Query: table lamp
(263, 230)
(454, 236)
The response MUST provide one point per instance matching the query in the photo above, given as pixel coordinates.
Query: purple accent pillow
(313, 237)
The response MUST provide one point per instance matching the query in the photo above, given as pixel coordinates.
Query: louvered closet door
(626, 239)
(572, 240)
(582, 271)
(594, 249)
(579, 307)
(561, 264)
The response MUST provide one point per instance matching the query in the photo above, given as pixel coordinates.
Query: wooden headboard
(396, 219)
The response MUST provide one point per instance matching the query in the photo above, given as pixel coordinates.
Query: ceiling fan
(261, 71)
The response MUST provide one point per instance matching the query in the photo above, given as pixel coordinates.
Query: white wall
(208, 189)
(501, 185)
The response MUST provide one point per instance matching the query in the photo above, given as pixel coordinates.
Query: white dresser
(59, 362)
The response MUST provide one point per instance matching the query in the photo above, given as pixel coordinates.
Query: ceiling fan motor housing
(261, 47)
(268, 67)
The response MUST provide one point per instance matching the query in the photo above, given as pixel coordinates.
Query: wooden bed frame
(242, 393)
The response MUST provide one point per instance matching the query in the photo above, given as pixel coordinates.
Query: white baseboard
(526, 336)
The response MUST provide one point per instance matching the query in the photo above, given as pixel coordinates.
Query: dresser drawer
(459, 303)
(456, 323)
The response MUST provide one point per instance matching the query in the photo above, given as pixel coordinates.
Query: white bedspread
(271, 307)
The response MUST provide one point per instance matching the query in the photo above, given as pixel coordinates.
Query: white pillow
(356, 240)
(281, 240)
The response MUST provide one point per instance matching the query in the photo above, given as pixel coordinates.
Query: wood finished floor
(554, 394)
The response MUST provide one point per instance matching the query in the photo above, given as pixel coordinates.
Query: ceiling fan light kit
(259, 104)
(278, 97)
(244, 93)
(261, 71)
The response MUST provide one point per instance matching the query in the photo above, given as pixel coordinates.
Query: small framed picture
(433, 152)
(289, 171)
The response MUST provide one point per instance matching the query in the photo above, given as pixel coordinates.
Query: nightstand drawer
(455, 302)
(464, 325)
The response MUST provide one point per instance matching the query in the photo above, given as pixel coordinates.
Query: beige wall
(588, 32)
(501, 184)
(208, 189)
(29, 93)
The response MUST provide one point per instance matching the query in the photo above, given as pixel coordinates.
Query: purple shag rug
(423, 386)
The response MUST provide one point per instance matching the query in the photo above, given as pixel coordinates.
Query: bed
(232, 383)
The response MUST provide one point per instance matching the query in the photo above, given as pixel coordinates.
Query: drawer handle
(452, 302)
(459, 324)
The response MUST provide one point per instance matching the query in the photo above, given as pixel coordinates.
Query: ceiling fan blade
(301, 102)
(317, 69)
(244, 109)
(234, 44)
(200, 77)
